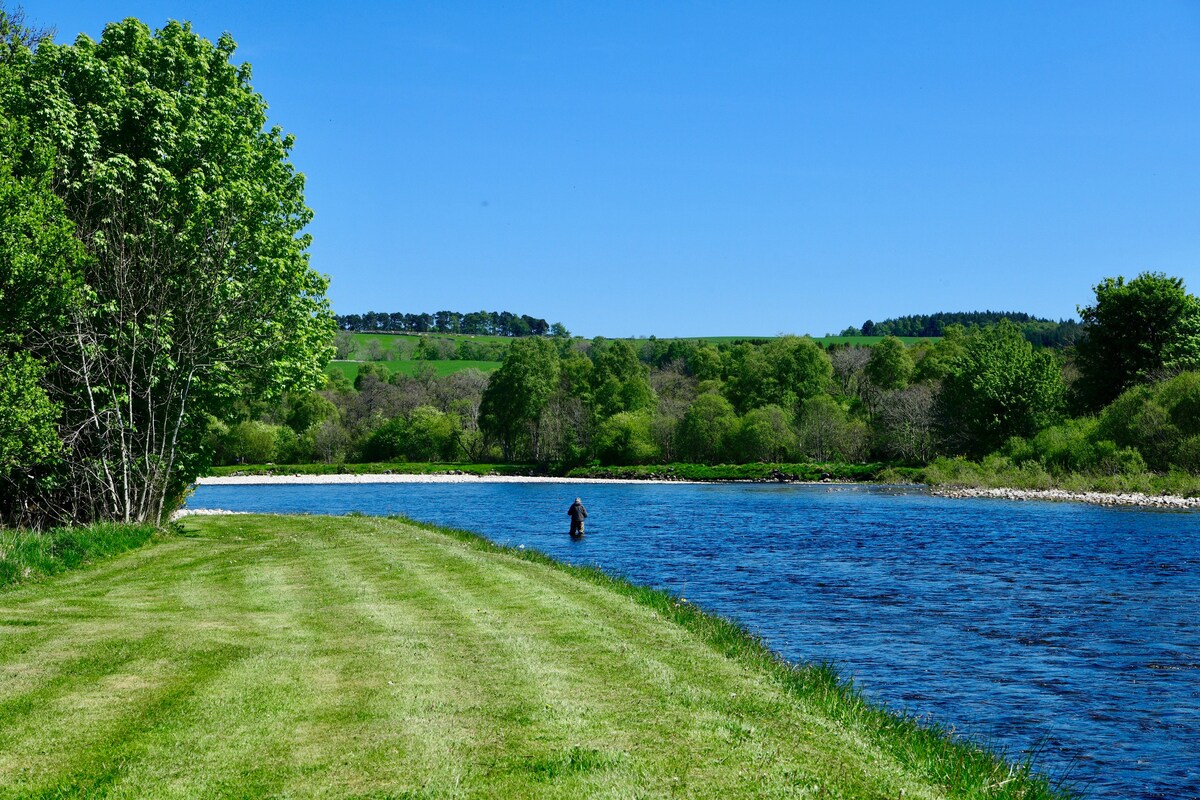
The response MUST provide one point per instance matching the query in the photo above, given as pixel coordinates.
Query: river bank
(390, 477)
(1112, 499)
(400, 659)
(1137, 499)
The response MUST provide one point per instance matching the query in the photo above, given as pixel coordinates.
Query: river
(1068, 631)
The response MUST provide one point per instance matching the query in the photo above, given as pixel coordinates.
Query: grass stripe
(360, 657)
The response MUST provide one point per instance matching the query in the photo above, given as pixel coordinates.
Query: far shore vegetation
(1102, 408)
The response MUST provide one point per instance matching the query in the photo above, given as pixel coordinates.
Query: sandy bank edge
(233, 480)
(953, 492)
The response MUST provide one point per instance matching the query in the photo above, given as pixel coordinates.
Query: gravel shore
(1095, 498)
(233, 480)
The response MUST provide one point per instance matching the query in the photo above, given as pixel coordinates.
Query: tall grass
(27, 555)
(999, 472)
(747, 472)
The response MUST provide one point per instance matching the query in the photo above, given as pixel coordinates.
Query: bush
(624, 438)
(251, 442)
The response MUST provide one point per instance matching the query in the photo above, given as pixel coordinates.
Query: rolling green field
(256, 656)
(440, 368)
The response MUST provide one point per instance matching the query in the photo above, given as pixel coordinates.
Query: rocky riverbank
(1095, 498)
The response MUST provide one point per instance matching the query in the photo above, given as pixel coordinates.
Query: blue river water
(1068, 631)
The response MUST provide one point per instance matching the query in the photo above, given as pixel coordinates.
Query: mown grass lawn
(257, 656)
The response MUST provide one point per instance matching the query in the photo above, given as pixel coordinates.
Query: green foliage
(828, 432)
(1136, 332)
(625, 438)
(765, 434)
(1039, 331)
(1158, 421)
(707, 428)
(305, 410)
(251, 442)
(998, 387)
(937, 361)
(370, 370)
(760, 471)
(889, 367)
(427, 435)
(29, 555)
(619, 381)
(1075, 446)
(146, 208)
(783, 372)
(28, 436)
(432, 435)
(518, 392)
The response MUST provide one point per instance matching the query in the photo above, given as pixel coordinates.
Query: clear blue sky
(695, 168)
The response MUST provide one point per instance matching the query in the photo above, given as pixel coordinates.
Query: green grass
(359, 657)
(440, 368)
(27, 555)
(749, 472)
(998, 472)
(376, 468)
(868, 341)
(402, 345)
(684, 472)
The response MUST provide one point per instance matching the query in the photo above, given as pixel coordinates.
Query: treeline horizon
(1037, 330)
(474, 323)
(1114, 410)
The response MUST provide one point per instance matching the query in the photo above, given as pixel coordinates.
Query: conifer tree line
(1039, 331)
(476, 323)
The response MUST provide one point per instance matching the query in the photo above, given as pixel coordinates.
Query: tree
(998, 387)
(625, 438)
(620, 382)
(38, 283)
(765, 434)
(848, 364)
(906, 424)
(783, 372)
(706, 429)
(518, 392)
(1136, 332)
(827, 432)
(889, 367)
(194, 288)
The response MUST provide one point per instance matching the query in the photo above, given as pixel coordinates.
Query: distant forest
(477, 323)
(1039, 331)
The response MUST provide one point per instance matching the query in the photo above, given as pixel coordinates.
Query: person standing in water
(578, 514)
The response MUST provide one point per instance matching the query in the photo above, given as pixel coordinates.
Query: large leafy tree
(38, 260)
(998, 386)
(619, 381)
(1136, 332)
(706, 430)
(784, 372)
(517, 394)
(889, 367)
(194, 287)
